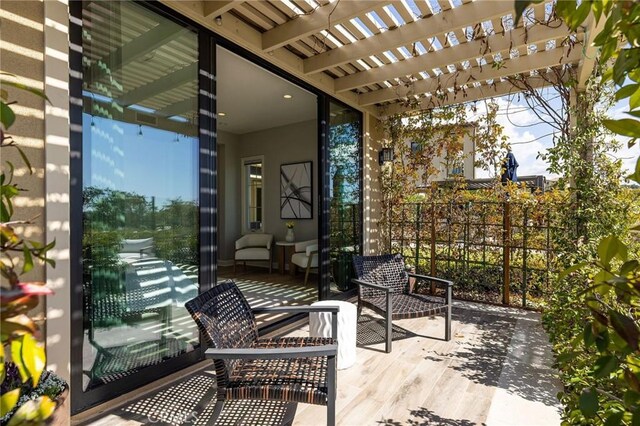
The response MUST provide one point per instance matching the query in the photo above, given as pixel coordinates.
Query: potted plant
(29, 393)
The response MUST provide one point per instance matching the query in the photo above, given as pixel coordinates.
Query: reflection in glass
(141, 190)
(253, 193)
(345, 192)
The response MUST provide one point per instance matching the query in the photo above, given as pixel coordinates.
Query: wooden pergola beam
(163, 84)
(214, 8)
(135, 49)
(510, 67)
(306, 25)
(466, 15)
(590, 51)
(502, 88)
(469, 51)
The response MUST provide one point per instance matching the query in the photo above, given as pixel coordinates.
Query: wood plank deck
(495, 371)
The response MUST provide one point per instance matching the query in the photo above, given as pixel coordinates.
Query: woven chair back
(387, 270)
(225, 319)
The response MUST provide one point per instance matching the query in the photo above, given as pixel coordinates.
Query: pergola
(394, 56)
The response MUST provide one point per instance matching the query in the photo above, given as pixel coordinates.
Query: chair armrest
(311, 249)
(241, 242)
(296, 309)
(272, 353)
(427, 277)
(371, 285)
(449, 285)
(142, 250)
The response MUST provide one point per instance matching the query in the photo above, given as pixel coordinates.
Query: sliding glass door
(140, 197)
(345, 193)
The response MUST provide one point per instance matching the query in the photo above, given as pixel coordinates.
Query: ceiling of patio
(406, 54)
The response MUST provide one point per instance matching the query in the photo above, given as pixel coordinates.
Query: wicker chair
(384, 286)
(290, 369)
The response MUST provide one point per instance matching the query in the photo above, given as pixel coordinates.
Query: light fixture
(287, 96)
(139, 130)
(93, 124)
(385, 156)
(222, 114)
(219, 20)
(176, 139)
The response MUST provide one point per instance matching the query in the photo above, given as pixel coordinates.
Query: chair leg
(306, 275)
(389, 333)
(217, 410)
(447, 324)
(331, 391)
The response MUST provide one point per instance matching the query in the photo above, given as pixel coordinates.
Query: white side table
(320, 326)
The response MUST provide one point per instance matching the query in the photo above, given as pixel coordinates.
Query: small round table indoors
(285, 251)
(320, 326)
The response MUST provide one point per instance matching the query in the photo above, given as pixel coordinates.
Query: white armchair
(305, 256)
(253, 247)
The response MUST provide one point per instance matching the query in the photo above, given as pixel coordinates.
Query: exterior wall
(22, 53)
(372, 197)
(35, 46)
(469, 160)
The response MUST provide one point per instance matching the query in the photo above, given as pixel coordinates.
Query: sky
(529, 136)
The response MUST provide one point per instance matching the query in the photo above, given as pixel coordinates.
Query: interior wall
(229, 198)
(280, 145)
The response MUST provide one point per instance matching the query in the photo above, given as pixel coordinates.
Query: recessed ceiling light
(287, 96)
(222, 114)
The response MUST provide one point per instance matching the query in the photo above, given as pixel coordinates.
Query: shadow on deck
(495, 371)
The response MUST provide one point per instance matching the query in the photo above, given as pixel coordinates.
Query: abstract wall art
(296, 190)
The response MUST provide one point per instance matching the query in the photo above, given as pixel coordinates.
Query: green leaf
(8, 401)
(629, 267)
(636, 174)
(625, 127)
(588, 402)
(576, 17)
(571, 269)
(588, 336)
(521, 6)
(37, 92)
(626, 91)
(3, 371)
(634, 100)
(626, 328)
(7, 116)
(605, 365)
(614, 419)
(609, 248)
(27, 261)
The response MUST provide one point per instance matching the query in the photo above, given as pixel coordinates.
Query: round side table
(285, 251)
(320, 326)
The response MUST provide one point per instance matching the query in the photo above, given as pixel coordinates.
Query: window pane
(140, 185)
(346, 193)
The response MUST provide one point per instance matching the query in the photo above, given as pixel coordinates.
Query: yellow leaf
(8, 401)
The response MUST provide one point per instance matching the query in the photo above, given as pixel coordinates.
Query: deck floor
(495, 371)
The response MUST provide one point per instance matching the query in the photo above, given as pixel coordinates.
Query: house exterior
(134, 134)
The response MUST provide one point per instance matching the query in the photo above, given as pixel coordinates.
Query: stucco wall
(21, 53)
(373, 138)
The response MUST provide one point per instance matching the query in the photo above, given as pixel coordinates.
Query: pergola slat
(485, 91)
(452, 55)
(510, 67)
(317, 21)
(424, 28)
(217, 8)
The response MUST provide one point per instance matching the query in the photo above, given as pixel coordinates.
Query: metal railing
(500, 252)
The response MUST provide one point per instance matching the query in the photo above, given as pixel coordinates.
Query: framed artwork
(296, 190)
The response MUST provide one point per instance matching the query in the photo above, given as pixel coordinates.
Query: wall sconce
(385, 156)
(218, 21)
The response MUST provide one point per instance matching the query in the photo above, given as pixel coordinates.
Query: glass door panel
(345, 192)
(140, 190)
